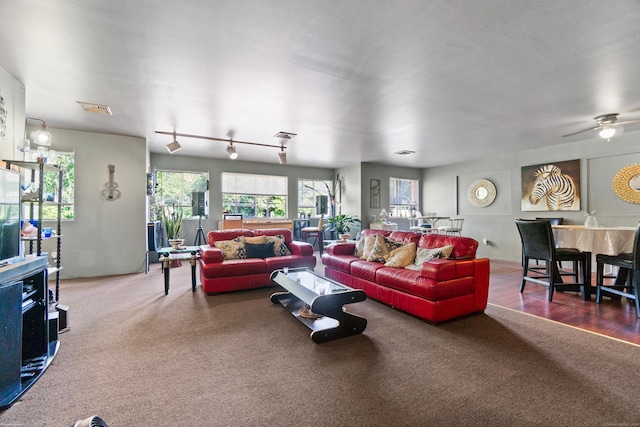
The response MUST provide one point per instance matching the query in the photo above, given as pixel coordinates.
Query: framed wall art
(551, 186)
(374, 196)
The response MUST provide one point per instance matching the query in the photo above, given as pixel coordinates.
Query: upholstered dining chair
(538, 243)
(316, 232)
(628, 278)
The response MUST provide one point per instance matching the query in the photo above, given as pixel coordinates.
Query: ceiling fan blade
(581, 131)
(628, 122)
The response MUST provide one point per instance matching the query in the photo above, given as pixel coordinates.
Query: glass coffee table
(318, 303)
(185, 253)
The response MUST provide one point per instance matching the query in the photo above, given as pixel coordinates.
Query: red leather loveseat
(437, 290)
(244, 259)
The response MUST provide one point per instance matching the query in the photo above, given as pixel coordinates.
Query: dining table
(432, 220)
(608, 240)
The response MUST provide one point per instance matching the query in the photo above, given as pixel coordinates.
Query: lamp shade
(607, 132)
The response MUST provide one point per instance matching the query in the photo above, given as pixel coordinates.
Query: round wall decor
(626, 183)
(482, 193)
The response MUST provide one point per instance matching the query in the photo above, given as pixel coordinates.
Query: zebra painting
(558, 188)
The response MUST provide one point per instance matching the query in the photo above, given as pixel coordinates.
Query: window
(308, 189)
(254, 196)
(175, 188)
(66, 162)
(403, 196)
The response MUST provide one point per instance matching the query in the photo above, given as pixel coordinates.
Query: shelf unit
(27, 348)
(32, 208)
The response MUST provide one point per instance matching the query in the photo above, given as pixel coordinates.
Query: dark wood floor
(616, 319)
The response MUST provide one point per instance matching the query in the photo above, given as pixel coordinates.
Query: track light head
(40, 136)
(174, 145)
(231, 151)
(282, 156)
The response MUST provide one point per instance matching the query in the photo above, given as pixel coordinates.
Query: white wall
(445, 190)
(106, 237)
(13, 93)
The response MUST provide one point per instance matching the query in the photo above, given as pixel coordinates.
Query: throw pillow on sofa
(382, 247)
(231, 249)
(280, 248)
(402, 256)
(259, 250)
(367, 246)
(423, 254)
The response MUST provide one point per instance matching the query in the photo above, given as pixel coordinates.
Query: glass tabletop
(308, 280)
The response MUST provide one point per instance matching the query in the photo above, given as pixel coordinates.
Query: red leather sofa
(218, 274)
(442, 289)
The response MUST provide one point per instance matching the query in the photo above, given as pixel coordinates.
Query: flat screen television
(9, 217)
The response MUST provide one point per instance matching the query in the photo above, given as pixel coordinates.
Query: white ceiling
(356, 80)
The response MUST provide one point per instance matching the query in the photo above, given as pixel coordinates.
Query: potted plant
(342, 224)
(172, 221)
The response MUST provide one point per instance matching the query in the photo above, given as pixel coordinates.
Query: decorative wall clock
(482, 193)
(626, 183)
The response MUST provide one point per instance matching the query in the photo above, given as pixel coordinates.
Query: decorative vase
(176, 243)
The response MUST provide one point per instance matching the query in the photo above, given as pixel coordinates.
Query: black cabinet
(27, 349)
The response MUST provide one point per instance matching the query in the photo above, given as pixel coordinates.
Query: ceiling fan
(606, 124)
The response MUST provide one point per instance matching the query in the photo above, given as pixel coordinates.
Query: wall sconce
(40, 136)
(174, 145)
(231, 151)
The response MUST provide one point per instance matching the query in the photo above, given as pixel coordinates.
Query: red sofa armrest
(300, 248)
(210, 254)
(341, 248)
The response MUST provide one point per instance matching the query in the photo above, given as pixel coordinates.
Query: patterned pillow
(423, 254)
(402, 256)
(382, 247)
(367, 246)
(280, 248)
(252, 240)
(259, 250)
(357, 251)
(231, 249)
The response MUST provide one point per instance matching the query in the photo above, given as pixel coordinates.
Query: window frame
(403, 208)
(319, 187)
(240, 197)
(185, 202)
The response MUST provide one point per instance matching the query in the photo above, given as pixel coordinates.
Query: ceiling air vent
(285, 135)
(404, 152)
(96, 108)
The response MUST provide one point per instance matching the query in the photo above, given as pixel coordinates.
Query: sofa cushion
(259, 250)
(411, 282)
(381, 248)
(402, 256)
(463, 247)
(423, 254)
(367, 248)
(254, 240)
(365, 270)
(231, 249)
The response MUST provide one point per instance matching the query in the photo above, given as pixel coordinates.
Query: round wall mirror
(626, 184)
(482, 193)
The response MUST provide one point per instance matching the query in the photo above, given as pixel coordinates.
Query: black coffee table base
(335, 323)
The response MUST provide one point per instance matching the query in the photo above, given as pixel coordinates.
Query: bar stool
(318, 231)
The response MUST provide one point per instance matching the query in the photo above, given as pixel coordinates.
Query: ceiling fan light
(607, 132)
(231, 151)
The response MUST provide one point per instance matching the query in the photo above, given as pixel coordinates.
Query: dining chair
(454, 227)
(556, 221)
(628, 277)
(538, 243)
(416, 224)
(316, 232)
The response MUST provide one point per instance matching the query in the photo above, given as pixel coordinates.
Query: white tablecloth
(597, 240)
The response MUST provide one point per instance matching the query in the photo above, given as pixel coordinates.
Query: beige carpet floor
(136, 357)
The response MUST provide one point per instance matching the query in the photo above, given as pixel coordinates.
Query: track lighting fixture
(174, 145)
(231, 151)
(40, 136)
